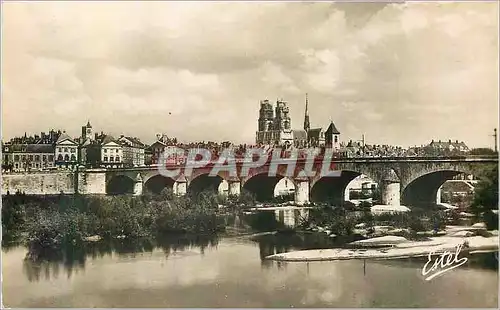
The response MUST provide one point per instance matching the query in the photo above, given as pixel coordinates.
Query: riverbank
(393, 248)
(45, 224)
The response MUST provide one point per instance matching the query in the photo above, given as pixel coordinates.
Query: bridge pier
(391, 193)
(180, 186)
(391, 189)
(92, 181)
(347, 194)
(301, 190)
(438, 195)
(234, 186)
(138, 185)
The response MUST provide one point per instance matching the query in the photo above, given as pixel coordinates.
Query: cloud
(405, 73)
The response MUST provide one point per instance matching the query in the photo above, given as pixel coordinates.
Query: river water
(231, 272)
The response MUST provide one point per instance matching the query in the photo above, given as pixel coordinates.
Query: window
(16, 157)
(66, 149)
(66, 157)
(17, 166)
(37, 157)
(73, 157)
(105, 158)
(110, 158)
(60, 157)
(117, 158)
(44, 157)
(37, 165)
(31, 157)
(51, 157)
(336, 139)
(72, 150)
(105, 150)
(59, 149)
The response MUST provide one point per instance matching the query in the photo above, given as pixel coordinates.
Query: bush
(64, 220)
(491, 220)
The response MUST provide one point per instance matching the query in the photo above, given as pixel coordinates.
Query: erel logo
(446, 262)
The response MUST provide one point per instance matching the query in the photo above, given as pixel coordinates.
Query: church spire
(307, 125)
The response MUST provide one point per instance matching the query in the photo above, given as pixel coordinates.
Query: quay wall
(49, 183)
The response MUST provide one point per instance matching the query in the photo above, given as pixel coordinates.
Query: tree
(482, 151)
(486, 197)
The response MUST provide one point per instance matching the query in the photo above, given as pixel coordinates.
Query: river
(231, 272)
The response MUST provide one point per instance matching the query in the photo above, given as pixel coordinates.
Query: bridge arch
(204, 182)
(263, 186)
(422, 181)
(119, 185)
(422, 190)
(156, 183)
(331, 188)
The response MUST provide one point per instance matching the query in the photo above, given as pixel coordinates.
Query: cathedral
(274, 128)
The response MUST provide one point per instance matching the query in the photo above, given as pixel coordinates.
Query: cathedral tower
(266, 116)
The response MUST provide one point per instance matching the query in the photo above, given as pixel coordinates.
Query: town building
(66, 152)
(27, 157)
(159, 147)
(133, 151)
(442, 148)
(111, 152)
(332, 136)
(28, 153)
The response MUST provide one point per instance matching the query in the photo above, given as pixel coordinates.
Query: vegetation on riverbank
(486, 198)
(337, 221)
(49, 223)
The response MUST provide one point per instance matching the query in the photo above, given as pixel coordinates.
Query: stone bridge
(408, 180)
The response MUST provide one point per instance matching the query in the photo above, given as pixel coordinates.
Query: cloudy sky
(398, 73)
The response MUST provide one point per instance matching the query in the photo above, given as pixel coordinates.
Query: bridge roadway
(407, 180)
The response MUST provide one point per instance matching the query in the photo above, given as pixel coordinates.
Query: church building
(274, 128)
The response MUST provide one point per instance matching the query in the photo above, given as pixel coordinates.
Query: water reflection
(232, 272)
(72, 257)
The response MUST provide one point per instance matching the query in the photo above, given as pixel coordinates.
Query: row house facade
(111, 153)
(133, 151)
(57, 150)
(158, 148)
(101, 150)
(27, 157)
(66, 152)
(26, 153)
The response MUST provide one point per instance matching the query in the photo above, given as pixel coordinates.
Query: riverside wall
(54, 183)
(47, 183)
